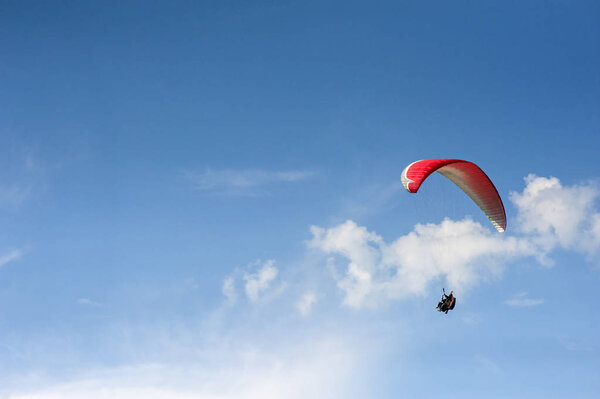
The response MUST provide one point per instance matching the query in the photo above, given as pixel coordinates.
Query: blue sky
(203, 199)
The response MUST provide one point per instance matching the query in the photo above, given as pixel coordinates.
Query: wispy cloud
(260, 281)
(369, 199)
(11, 256)
(464, 252)
(305, 303)
(576, 344)
(487, 364)
(14, 195)
(88, 302)
(521, 300)
(229, 290)
(471, 319)
(229, 181)
(309, 367)
(21, 175)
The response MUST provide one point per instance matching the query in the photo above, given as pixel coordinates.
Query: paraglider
(470, 179)
(447, 302)
(466, 175)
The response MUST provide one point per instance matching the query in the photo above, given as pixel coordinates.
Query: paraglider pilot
(447, 303)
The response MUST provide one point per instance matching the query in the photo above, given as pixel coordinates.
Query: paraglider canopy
(466, 175)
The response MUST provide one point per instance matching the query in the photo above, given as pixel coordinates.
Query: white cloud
(520, 300)
(306, 302)
(260, 281)
(239, 181)
(463, 253)
(229, 290)
(555, 215)
(11, 256)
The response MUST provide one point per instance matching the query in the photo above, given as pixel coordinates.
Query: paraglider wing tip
(405, 180)
(501, 229)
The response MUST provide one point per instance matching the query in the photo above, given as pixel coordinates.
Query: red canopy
(466, 175)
